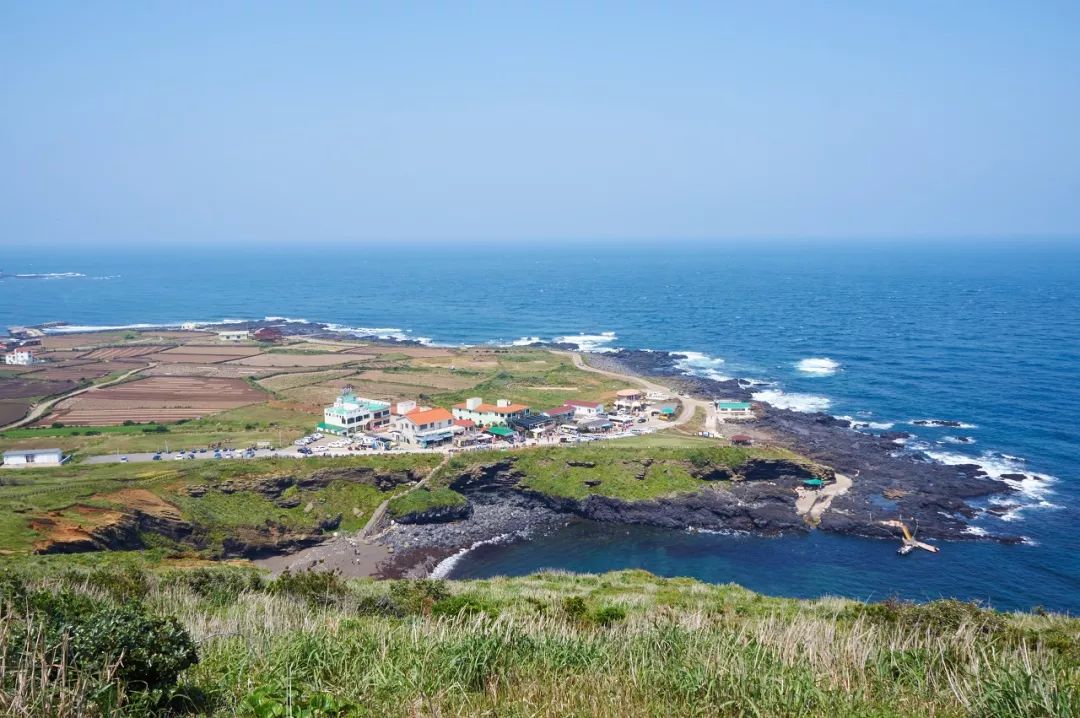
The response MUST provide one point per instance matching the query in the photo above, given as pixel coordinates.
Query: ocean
(987, 335)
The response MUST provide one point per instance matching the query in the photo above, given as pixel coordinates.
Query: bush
(271, 702)
(319, 588)
(419, 595)
(58, 425)
(221, 586)
(149, 652)
(123, 583)
(152, 651)
(937, 617)
(607, 615)
(574, 607)
(464, 604)
(129, 422)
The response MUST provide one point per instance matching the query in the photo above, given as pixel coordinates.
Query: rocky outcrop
(437, 515)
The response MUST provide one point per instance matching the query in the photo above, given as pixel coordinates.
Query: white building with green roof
(351, 413)
(733, 410)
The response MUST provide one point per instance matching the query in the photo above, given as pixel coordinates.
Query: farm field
(154, 399)
(276, 359)
(281, 382)
(127, 352)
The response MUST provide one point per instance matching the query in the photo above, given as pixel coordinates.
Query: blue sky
(363, 122)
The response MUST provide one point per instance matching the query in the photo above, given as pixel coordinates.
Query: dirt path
(689, 403)
(38, 411)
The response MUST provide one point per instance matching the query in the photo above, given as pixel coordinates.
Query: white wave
(1035, 487)
(716, 532)
(444, 567)
(700, 364)
(818, 366)
(525, 341)
(958, 440)
(794, 401)
(880, 425)
(939, 423)
(378, 332)
(590, 342)
(286, 320)
(975, 531)
(79, 328)
(51, 275)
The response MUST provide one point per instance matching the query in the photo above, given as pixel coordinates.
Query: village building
(500, 413)
(233, 335)
(733, 410)
(533, 424)
(561, 414)
(629, 400)
(22, 357)
(586, 408)
(401, 408)
(593, 424)
(29, 458)
(665, 411)
(351, 413)
(268, 334)
(742, 440)
(426, 427)
(656, 396)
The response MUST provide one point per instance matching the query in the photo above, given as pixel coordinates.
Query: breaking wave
(444, 567)
(700, 364)
(1031, 486)
(808, 403)
(818, 366)
(590, 342)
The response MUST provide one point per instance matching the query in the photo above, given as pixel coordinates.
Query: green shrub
(464, 604)
(319, 588)
(418, 595)
(122, 583)
(574, 607)
(221, 586)
(606, 615)
(937, 618)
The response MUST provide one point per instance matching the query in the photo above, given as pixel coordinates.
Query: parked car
(123, 458)
(156, 457)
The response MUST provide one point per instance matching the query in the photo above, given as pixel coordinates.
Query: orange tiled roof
(493, 408)
(429, 416)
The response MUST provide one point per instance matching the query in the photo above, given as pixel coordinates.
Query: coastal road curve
(689, 403)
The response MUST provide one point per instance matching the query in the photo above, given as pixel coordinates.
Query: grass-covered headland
(116, 639)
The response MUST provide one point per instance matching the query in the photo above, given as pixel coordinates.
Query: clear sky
(290, 122)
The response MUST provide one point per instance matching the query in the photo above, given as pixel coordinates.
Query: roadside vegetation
(122, 641)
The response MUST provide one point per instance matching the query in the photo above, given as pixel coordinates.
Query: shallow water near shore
(986, 337)
(801, 566)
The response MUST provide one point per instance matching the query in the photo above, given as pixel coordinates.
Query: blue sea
(987, 334)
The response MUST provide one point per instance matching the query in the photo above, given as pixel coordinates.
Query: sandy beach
(354, 558)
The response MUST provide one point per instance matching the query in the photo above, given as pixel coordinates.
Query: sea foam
(794, 401)
(700, 364)
(590, 342)
(818, 366)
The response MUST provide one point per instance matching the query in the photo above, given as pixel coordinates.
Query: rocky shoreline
(888, 482)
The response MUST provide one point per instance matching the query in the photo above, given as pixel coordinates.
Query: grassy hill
(551, 644)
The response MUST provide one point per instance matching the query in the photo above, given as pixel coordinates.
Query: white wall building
(22, 357)
(28, 458)
(500, 413)
(233, 335)
(586, 409)
(733, 410)
(426, 427)
(351, 413)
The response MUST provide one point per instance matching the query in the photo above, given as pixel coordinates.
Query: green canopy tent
(814, 483)
(502, 431)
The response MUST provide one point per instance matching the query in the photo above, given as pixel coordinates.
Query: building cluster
(476, 422)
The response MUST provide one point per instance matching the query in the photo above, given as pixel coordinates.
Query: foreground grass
(554, 644)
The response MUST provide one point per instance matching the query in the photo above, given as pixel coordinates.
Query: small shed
(29, 458)
(742, 440)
